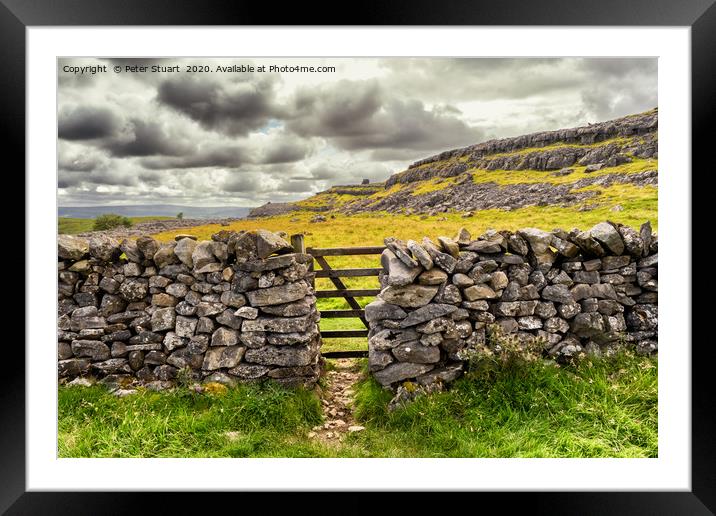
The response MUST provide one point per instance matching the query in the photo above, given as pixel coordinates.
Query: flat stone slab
(278, 295)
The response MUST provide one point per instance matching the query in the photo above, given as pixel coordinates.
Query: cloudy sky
(212, 138)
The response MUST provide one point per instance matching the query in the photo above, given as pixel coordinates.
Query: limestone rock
(416, 353)
(222, 357)
(224, 337)
(285, 356)
(399, 274)
(432, 277)
(131, 251)
(607, 235)
(442, 260)
(104, 248)
(479, 292)
(379, 310)
(400, 371)
(409, 296)
(278, 324)
(278, 295)
(165, 256)
(247, 312)
(420, 254)
(444, 374)
(184, 250)
(268, 243)
(163, 319)
(201, 256)
(73, 248)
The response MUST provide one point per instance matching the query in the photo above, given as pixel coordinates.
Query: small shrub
(111, 221)
(180, 215)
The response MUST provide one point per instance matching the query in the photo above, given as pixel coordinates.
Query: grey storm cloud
(247, 138)
(79, 163)
(144, 138)
(86, 123)
(287, 150)
(242, 183)
(210, 157)
(235, 108)
(361, 115)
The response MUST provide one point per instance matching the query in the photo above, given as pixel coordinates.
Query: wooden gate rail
(350, 295)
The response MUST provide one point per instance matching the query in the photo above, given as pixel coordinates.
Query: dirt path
(337, 402)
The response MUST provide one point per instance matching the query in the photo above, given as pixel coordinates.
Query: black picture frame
(699, 15)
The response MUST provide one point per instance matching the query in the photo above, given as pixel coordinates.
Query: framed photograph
(416, 253)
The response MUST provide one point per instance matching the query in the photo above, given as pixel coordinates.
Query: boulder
(134, 289)
(249, 371)
(303, 306)
(588, 244)
(645, 233)
(483, 246)
(227, 318)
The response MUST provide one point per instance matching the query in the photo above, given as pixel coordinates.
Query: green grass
(93, 423)
(71, 226)
(601, 408)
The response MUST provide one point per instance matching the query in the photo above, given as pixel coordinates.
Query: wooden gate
(326, 271)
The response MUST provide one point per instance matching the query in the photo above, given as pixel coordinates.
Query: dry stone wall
(569, 292)
(237, 308)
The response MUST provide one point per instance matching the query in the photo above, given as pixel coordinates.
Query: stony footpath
(568, 293)
(237, 308)
(337, 402)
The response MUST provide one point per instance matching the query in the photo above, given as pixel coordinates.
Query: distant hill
(146, 210)
(602, 165)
